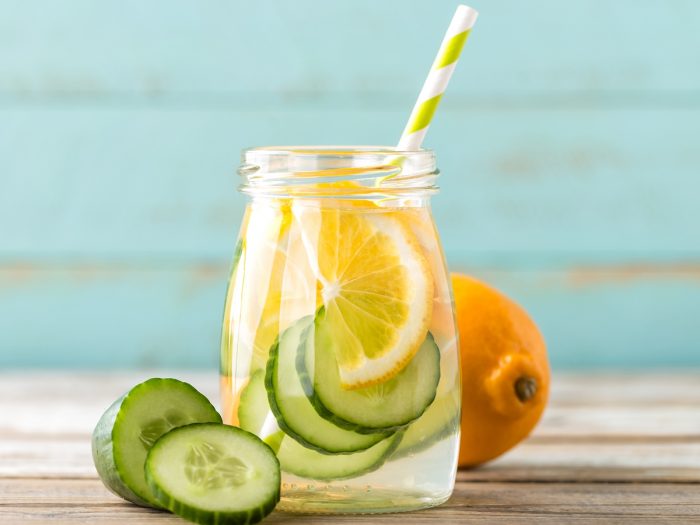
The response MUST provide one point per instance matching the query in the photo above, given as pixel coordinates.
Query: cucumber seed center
(207, 466)
(155, 428)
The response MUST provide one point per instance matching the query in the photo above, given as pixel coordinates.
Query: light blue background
(569, 142)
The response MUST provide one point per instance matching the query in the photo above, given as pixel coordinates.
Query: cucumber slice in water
(291, 406)
(254, 416)
(253, 408)
(385, 406)
(214, 474)
(254, 412)
(127, 430)
(306, 463)
(439, 421)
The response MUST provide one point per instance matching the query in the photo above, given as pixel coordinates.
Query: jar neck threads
(338, 172)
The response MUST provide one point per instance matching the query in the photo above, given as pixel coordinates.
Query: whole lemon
(505, 373)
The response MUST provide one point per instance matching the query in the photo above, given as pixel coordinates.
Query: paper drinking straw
(440, 73)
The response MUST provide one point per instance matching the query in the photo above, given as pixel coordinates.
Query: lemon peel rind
(414, 330)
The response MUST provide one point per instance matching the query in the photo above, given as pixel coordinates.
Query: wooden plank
(76, 501)
(544, 235)
(610, 410)
(563, 158)
(578, 390)
(629, 460)
(626, 389)
(652, 421)
(609, 317)
(62, 403)
(99, 317)
(148, 315)
(229, 47)
(62, 416)
(610, 438)
(577, 467)
(520, 190)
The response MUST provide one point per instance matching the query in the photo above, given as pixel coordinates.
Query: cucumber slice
(306, 463)
(439, 421)
(214, 474)
(254, 413)
(127, 430)
(291, 406)
(253, 407)
(386, 406)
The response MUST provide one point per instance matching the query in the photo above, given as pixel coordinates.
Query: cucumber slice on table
(291, 406)
(127, 430)
(385, 406)
(214, 474)
(306, 463)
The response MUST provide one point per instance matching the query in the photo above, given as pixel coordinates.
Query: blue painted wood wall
(569, 142)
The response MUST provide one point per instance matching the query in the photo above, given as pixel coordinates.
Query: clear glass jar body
(339, 345)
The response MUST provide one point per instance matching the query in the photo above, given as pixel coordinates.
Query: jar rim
(337, 150)
(389, 168)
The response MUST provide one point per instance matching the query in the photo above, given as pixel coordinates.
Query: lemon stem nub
(525, 388)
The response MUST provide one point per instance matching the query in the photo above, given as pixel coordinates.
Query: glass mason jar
(339, 346)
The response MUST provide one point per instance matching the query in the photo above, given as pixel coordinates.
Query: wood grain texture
(301, 47)
(167, 313)
(567, 143)
(86, 501)
(597, 456)
(158, 184)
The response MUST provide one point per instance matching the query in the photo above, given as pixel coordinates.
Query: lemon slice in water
(375, 287)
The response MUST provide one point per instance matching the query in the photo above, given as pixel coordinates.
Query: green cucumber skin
(394, 445)
(274, 440)
(249, 414)
(395, 442)
(450, 428)
(204, 517)
(103, 457)
(440, 421)
(325, 413)
(249, 410)
(107, 460)
(207, 518)
(272, 400)
(270, 372)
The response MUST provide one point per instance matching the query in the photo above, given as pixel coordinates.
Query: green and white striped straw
(440, 73)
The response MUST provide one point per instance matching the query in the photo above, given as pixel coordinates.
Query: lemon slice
(375, 286)
(267, 286)
(420, 222)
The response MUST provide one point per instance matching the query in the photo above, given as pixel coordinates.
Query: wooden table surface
(610, 449)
